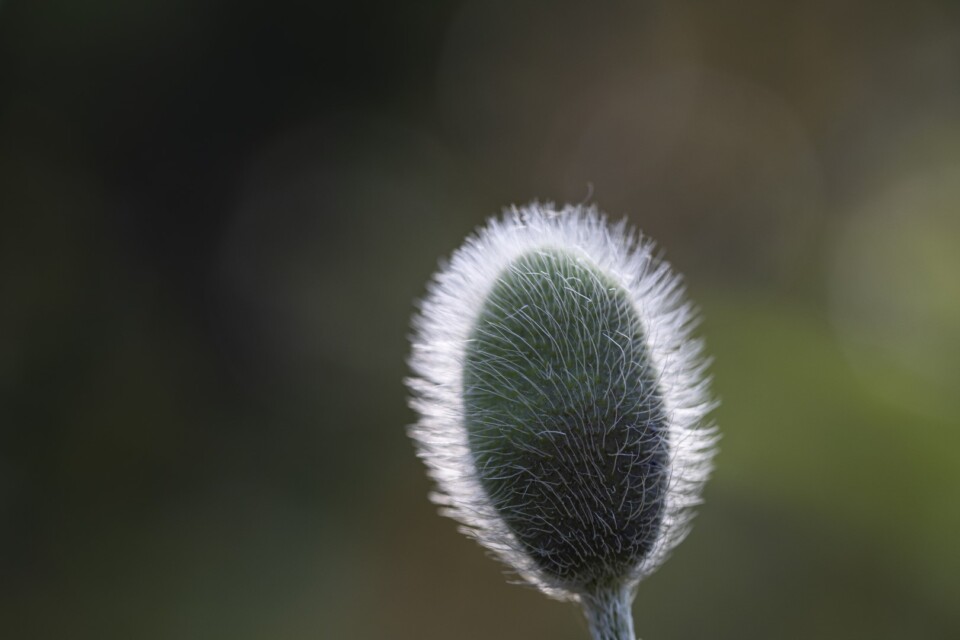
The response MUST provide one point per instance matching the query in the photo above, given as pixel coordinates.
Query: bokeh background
(216, 217)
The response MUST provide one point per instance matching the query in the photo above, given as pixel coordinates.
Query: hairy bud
(562, 404)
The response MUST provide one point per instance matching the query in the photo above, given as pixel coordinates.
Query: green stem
(609, 613)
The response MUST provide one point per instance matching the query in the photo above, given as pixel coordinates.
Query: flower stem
(609, 613)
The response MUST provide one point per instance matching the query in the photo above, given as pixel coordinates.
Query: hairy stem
(609, 613)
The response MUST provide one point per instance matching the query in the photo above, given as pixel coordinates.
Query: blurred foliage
(217, 216)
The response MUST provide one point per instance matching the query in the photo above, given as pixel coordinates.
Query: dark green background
(216, 216)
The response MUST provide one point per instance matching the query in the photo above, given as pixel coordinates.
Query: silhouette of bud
(563, 404)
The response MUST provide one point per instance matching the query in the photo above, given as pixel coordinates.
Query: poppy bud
(562, 404)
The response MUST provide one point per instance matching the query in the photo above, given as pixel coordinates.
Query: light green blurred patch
(896, 292)
(803, 432)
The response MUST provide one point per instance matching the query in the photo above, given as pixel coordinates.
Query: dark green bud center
(564, 417)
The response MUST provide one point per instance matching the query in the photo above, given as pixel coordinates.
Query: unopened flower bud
(562, 404)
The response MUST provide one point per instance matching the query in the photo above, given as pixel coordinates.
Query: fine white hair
(447, 316)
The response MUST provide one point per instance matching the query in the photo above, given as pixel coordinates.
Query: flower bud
(563, 404)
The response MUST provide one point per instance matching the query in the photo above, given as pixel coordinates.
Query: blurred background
(216, 217)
